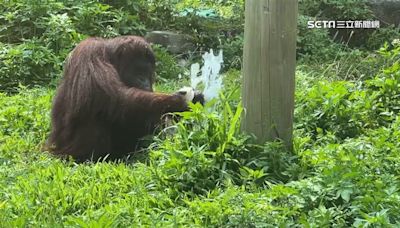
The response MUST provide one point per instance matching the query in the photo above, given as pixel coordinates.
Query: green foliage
(201, 171)
(346, 109)
(30, 19)
(233, 52)
(353, 64)
(166, 64)
(19, 18)
(318, 42)
(48, 32)
(315, 44)
(59, 33)
(382, 35)
(50, 29)
(336, 9)
(385, 89)
(331, 108)
(358, 177)
(27, 63)
(161, 14)
(206, 145)
(96, 19)
(223, 31)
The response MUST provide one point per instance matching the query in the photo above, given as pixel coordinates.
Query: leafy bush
(385, 89)
(28, 19)
(96, 19)
(29, 63)
(221, 31)
(346, 10)
(233, 52)
(19, 18)
(166, 64)
(59, 33)
(315, 44)
(356, 180)
(336, 9)
(381, 36)
(331, 108)
(207, 146)
(346, 109)
(48, 32)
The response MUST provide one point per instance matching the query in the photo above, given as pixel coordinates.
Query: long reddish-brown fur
(105, 102)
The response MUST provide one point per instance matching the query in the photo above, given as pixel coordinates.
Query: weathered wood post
(269, 62)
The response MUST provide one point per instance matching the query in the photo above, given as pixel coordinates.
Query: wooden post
(269, 62)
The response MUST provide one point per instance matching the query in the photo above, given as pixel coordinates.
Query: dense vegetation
(344, 170)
